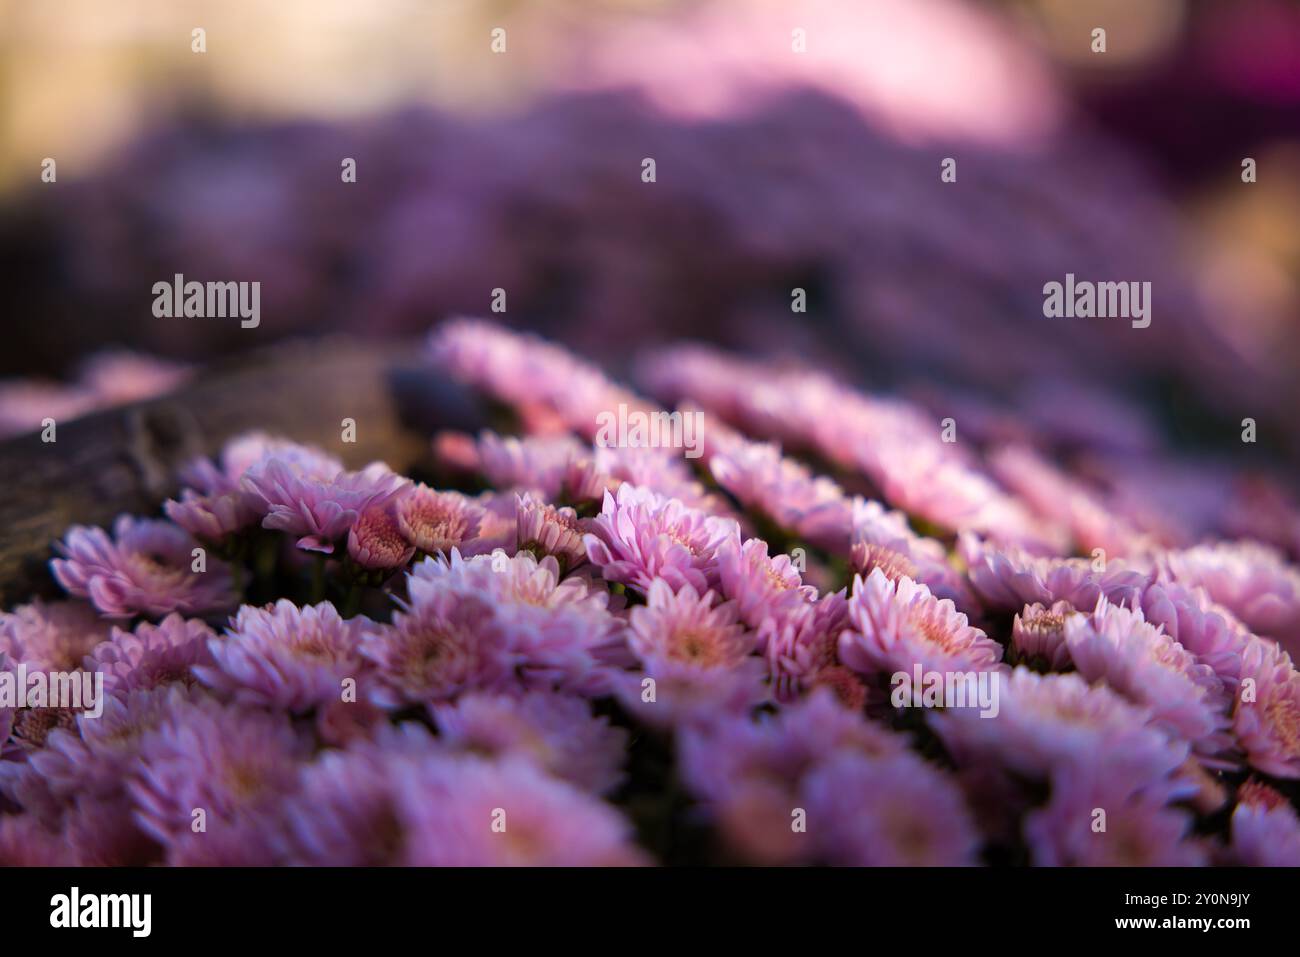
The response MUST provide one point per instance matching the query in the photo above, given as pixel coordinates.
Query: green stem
(351, 601)
(237, 578)
(318, 578)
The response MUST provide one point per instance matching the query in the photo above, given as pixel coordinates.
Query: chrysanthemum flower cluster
(548, 651)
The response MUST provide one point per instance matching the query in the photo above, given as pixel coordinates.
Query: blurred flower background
(776, 170)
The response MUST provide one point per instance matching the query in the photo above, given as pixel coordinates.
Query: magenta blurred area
(776, 169)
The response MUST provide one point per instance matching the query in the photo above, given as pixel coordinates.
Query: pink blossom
(284, 657)
(50, 636)
(689, 628)
(1253, 581)
(897, 625)
(1265, 828)
(1051, 725)
(1038, 637)
(640, 536)
(804, 644)
(145, 568)
(436, 522)
(811, 507)
(1140, 830)
(546, 530)
(1009, 578)
(452, 805)
(1117, 646)
(151, 656)
(892, 812)
(883, 539)
(233, 763)
(1266, 719)
(556, 732)
(761, 587)
(376, 541)
(317, 507)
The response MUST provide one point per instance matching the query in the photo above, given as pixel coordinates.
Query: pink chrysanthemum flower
(811, 507)
(376, 541)
(892, 812)
(559, 632)
(50, 636)
(883, 539)
(661, 470)
(1207, 630)
(544, 382)
(1265, 829)
(145, 568)
(345, 812)
(586, 482)
(1266, 718)
(1140, 830)
(750, 774)
(804, 645)
(640, 537)
(436, 522)
(696, 656)
(1117, 646)
(23, 787)
(31, 727)
(706, 375)
(556, 732)
(1049, 724)
(441, 644)
(1252, 581)
(466, 812)
(1010, 578)
(498, 528)
(1038, 637)
(761, 587)
(317, 507)
(929, 480)
(897, 625)
(893, 564)
(213, 506)
(533, 462)
(247, 449)
(1059, 497)
(345, 719)
(233, 763)
(546, 530)
(696, 660)
(211, 518)
(844, 683)
(93, 757)
(285, 657)
(152, 655)
(669, 694)
(688, 628)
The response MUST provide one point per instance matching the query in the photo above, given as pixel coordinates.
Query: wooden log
(125, 459)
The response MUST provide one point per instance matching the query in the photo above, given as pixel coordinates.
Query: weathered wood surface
(125, 459)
